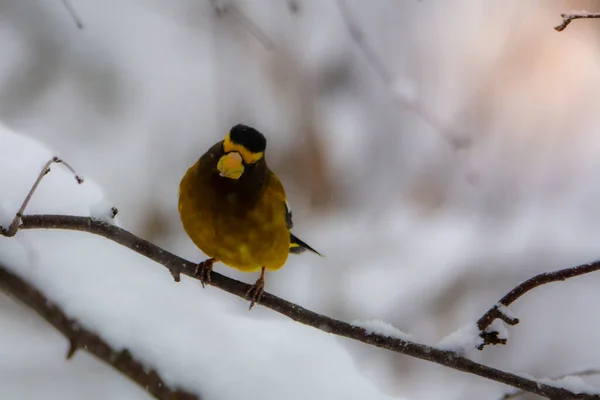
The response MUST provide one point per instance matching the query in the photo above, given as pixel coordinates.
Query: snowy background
(416, 232)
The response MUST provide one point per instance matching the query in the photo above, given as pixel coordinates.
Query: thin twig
(222, 9)
(67, 4)
(495, 312)
(177, 265)
(456, 140)
(585, 372)
(254, 29)
(569, 17)
(14, 226)
(81, 338)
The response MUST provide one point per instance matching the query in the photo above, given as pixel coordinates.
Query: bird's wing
(288, 216)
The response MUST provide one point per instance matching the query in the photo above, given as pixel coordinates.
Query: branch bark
(496, 312)
(177, 266)
(569, 17)
(80, 338)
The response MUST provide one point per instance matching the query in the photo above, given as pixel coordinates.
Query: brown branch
(456, 140)
(177, 265)
(80, 338)
(495, 312)
(568, 17)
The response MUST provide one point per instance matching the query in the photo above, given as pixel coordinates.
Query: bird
(235, 210)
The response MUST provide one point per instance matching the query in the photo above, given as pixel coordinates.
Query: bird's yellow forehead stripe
(248, 156)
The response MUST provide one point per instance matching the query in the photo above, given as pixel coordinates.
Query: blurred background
(437, 152)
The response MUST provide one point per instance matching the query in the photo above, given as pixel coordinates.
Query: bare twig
(177, 265)
(456, 140)
(14, 226)
(80, 338)
(568, 17)
(67, 4)
(585, 372)
(222, 9)
(495, 312)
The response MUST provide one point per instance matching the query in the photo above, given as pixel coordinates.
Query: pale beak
(231, 165)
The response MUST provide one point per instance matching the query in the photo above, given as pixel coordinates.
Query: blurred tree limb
(455, 139)
(81, 338)
(71, 10)
(176, 265)
(569, 17)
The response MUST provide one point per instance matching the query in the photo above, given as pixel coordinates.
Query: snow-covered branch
(568, 17)
(177, 266)
(81, 338)
(498, 311)
(572, 376)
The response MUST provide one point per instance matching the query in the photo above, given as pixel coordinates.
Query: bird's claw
(256, 291)
(203, 270)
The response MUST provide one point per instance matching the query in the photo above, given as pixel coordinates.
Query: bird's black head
(249, 138)
(243, 147)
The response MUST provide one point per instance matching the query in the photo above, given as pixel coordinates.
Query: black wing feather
(297, 246)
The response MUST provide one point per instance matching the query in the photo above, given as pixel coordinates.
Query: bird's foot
(203, 270)
(256, 291)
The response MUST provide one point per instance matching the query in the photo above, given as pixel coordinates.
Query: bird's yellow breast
(224, 227)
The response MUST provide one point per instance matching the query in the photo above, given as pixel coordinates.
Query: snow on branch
(178, 266)
(568, 17)
(573, 379)
(80, 338)
(499, 310)
(386, 339)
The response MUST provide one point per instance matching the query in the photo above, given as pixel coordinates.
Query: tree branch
(496, 312)
(71, 10)
(568, 17)
(80, 338)
(177, 265)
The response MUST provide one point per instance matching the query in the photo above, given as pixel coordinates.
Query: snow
(407, 238)
(573, 383)
(499, 326)
(202, 340)
(383, 328)
(104, 211)
(506, 311)
(462, 341)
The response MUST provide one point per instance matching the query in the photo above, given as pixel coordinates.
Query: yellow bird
(234, 209)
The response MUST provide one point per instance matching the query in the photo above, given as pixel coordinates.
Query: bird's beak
(231, 165)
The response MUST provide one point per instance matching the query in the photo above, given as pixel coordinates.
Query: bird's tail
(297, 246)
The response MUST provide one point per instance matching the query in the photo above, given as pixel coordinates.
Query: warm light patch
(248, 156)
